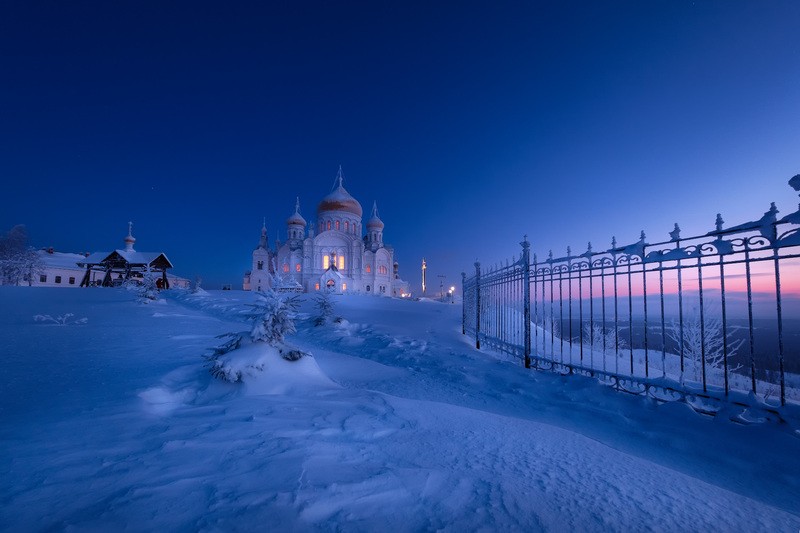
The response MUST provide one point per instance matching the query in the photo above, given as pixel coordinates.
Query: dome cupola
(375, 222)
(129, 239)
(340, 200)
(296, 219)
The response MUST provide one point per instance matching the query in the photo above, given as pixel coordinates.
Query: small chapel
(337, 253)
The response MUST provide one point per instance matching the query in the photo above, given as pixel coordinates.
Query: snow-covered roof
(60, 259)
(132, 257)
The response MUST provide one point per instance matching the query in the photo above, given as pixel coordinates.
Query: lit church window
(344, 286)
(346, 226)
(341, 262)
(369, 269)
(329, 224)
(337, 225)
(297, 267)
(286, 267)
(316, 286)
(326, 261)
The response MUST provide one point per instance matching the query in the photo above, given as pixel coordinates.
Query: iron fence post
(477, 305)
(463, 303)
(526, 299)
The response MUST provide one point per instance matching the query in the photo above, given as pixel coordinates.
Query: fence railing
(702, 316)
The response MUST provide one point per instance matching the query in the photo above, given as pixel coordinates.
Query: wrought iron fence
(690, 317)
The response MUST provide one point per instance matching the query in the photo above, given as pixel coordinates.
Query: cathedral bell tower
(375, 226)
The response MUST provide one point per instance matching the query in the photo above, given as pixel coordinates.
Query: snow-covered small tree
(196, 285)
(695, 338)
(273, 317)
(326, 314)
(148, 290)
(602, 340)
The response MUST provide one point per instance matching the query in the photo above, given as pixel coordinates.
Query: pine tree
(273, 317)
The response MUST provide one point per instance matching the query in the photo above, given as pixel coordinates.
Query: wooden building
(120, 266)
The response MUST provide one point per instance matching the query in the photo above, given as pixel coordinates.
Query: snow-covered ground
(396, 423)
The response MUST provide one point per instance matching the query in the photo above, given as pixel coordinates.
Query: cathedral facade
(337, 253)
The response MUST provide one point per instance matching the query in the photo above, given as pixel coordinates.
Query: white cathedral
(333, 255)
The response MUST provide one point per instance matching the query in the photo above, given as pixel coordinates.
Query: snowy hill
(396, 423)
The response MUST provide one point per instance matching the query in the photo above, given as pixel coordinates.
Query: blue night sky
(471, 124)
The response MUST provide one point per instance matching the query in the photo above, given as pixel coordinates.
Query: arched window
(369, 269)
(326, 261)
(260, 265)
(344, 286)
(346, 226)
(286, 267)
(341, 262)
(297, 267)
(329, 224)
(316, 286)
(367, 288)
(337, 225)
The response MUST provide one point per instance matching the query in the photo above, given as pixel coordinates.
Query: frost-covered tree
(602, 340)
(695, 338)
(326, 312)
(273, 317)
(18, 262)
(146, 289)
(196, 285)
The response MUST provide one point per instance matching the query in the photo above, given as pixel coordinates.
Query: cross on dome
(129, 239)
(340, 176)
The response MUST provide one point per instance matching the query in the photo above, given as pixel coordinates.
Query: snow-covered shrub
(326, 314)
(273, 317)
(291, 354)
(61, 320)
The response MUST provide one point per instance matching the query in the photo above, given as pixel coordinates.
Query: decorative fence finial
(589, 248)
(613, 242)
(569, 251)
(641, 236)
(675, 234)
(550, 256)
(773, 212)
(719, 222)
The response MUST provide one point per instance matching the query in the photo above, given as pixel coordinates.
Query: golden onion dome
(340, 200)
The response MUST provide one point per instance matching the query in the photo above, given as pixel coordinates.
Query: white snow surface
(396, 423)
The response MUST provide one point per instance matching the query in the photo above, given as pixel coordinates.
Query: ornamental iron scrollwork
(583, 309)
